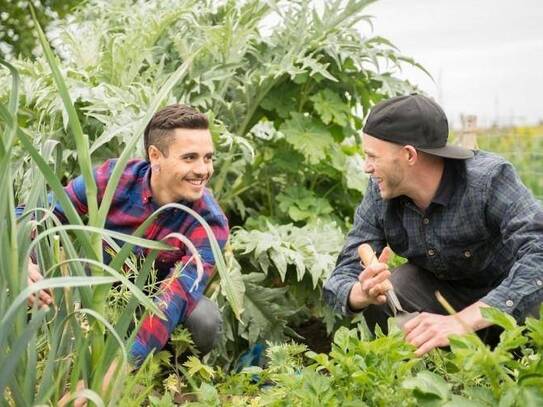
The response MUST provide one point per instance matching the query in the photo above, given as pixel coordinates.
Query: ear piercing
(155, 168)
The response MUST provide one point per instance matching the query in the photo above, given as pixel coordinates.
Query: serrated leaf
(196, 366)
(307, 136)
(281, 99)
(280, 262)
(302, 204)
(265, 311)
(331, 107)
(264, 243)
(233, 270)
(318, 68)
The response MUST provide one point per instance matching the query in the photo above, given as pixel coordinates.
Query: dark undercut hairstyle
(158, 131)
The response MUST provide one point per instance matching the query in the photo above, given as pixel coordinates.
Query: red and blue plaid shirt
(132, 204)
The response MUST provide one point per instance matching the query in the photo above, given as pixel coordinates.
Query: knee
(204, 325)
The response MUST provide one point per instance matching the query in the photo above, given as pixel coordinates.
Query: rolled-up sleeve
(367, 228)
(519, 217)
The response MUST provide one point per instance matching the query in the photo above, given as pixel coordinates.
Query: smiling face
(384, 163)
(183, 171)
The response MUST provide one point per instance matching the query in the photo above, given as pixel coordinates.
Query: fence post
(468, 135)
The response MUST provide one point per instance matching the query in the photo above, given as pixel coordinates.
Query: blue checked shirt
(483, 229)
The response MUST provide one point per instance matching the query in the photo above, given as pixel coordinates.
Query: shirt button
(431, 252)
(539, 283)
(467, 253)
(426, 221)
(509, 303)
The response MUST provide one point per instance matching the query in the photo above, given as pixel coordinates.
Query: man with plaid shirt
(179, 151)
(467, 225)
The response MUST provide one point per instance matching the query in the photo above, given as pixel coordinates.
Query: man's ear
(154, 153)
(411, 154)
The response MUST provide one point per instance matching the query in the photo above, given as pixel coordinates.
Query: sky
(486, 56)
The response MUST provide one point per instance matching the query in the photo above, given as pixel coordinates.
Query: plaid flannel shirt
(132, 204)
(483, 228)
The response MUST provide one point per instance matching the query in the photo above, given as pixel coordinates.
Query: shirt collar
(446, 185)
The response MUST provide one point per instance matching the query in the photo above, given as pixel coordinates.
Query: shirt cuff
(505, 301)
(344, 298)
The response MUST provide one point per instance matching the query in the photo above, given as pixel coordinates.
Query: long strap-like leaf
(81, 141)
(128, 150)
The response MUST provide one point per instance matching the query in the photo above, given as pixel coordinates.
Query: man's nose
(201, 168)
(367, 167)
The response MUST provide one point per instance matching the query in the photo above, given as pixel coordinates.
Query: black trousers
(416, 289)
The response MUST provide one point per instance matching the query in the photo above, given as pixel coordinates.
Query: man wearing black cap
(467, 225)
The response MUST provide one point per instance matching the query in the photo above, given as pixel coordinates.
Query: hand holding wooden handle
(368, 257)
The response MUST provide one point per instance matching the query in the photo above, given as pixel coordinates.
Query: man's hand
(373, 282)
(429, 331)
(44, 297)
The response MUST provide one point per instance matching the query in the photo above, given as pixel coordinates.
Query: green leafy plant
(286, 85)
(383, 370)
(81, 343)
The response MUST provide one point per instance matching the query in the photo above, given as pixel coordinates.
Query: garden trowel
(367, 257)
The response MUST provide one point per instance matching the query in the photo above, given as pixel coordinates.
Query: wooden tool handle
(368, 257)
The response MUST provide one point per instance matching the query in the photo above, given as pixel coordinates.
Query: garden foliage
(361, 371)
(286, 85)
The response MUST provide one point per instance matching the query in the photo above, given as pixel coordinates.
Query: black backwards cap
(414, 120)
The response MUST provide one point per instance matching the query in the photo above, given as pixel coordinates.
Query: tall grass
(45, 352)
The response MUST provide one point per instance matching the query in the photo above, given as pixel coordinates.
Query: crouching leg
(205, 325)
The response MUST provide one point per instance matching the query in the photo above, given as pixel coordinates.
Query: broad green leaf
(281, 99)
(265, 311)
(535, 329)
(331, 107)
(427, 386)
(302, 204)
(235, 280)
(208, 395)
(499, 318)
(308, 136)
